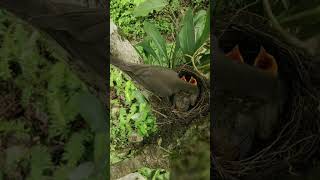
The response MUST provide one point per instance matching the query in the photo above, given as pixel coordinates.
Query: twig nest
(168, 113)
(296, 140)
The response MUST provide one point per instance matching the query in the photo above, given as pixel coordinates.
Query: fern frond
(74, 149)
(14, 155)
(62, 173)
(40, 160)
(13, 127)
(62, 86)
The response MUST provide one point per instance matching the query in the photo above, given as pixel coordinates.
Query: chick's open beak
(183, 78)
(235, 54)
(266, 62)
(193, 81)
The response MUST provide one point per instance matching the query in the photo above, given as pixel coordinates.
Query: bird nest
(296, 140)
(168, 117)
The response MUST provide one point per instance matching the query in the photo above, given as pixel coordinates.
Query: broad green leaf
(175, 52)
(199, 22)
(146, 7)
(156, 38)
(203, 33)
(186, 35)
(92, 110)
(145, 44)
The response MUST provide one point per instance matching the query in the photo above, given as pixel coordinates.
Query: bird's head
(235, 54)
(266, 62)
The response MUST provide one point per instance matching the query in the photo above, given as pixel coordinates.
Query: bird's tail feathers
(124, 66)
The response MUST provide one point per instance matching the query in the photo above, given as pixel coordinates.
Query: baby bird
(183, 78)
(183, 100)
(235, 55)
(266, 62)
(194, 97)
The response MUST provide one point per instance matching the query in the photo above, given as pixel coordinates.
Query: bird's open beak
(183, 78)
(266, 62)
(193, 81)
(235, 54)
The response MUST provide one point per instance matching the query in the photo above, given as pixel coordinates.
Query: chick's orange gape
(264, 61)
(183, 78)
(235, 54)
(192, 98)
(191, 80)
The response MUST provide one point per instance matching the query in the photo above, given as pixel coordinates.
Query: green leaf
(140, 98)
(92, 110)
(74, 149)
(146, 7)
(39, 162)
(14, 154)
(145, 44)
(175, 52)
(62, 172)
(203, 28)
(156, 38)
(83, 171)
(101, 154)
(186, 35)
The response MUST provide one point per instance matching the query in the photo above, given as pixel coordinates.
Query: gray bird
(160, 81)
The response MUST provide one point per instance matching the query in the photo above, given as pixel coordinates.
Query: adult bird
(163, 82)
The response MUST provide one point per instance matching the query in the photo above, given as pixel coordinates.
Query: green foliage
(92, 110)
(62, 172)
(51, 89)
(40, 161)
(74, 148)
(189, 47)
(14, 155)
(190, 158)
(83, 171)
(154, 174)
(187, 35)
(61, 86)
(148, 6)
(123, 14)
(16, 128)
(130, 113)
(159, 42)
